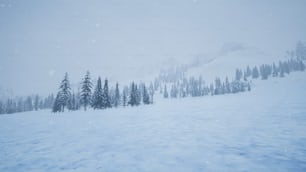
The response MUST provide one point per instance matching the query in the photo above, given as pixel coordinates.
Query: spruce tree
(65, 91)
(255, 73)
(124, 98)
(165, 92)
(97, 102)
(138, 95)
(132, 98)
(86, 91)
(57, 106)
(146, 97)
(63, 95)
(36, 103)
(117, 96)
(105, 96)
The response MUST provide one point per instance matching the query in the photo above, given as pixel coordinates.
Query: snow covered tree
(151, 92)
(57, 106)
(173, 91)
(73, 102)
(138, 95)
(227, 86)
(274, 70)
(255, 73)
(86, 91)
(218, 86)
(248, 72)
(63, 95)
(165, 92)
(97, 98)
(2, 108)
(125, 96)
(238, 74)
(36, 103)
(212, 89)
(117, 96)
(28, 104)
(133, 96)
(106, 103)
(300, 50)
(146, 97)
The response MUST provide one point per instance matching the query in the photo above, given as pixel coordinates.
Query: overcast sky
(129, 39)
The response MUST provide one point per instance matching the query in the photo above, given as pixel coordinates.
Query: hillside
(261, 130)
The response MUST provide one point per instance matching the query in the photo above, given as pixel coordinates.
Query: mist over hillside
(132, 40)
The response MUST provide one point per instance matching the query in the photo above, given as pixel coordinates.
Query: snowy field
(261, 130)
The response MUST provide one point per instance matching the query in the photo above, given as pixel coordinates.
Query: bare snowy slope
(261, 130)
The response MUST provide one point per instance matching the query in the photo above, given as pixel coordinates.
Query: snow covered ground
(261, 130)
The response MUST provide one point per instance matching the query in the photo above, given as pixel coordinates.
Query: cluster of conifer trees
(184, 87)
(100, 97)
(23, 104)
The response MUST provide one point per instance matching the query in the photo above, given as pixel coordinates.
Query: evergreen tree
(97, 102)
(65, 92)
(117, 96)
(227, 86)
(275, 70)
(173, 91)
(218, 86)
(255, 73)
(105, 96)
(86, 91)
(124, 97)
(211, 89)
(63, 95)
(165, 92)
(132, 99)
(281, 70)
(36, 103)
(2, 108)
(151, 92)
(138, 95)
(57, 106)
(238, 74)
(28, 104)
(146, 97)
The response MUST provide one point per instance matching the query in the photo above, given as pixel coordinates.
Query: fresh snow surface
(261, 130)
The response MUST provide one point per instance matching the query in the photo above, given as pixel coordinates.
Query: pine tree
(165, 92)
(63, 95)
(97, 102)
(255, 73)
(117, 96)
(28, 104)
(86, 91)
(105, 96)
(2, 109)
(132, 98)
(275, 70)
(65, 92)
(36, 103)
(138, 95)
(238, 74)
(146, 97)
(151, 92)
(124, 98)
(57, 106)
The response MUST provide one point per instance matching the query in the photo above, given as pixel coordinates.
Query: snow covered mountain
(261, 130)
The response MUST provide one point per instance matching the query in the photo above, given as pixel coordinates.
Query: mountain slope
(261, 130)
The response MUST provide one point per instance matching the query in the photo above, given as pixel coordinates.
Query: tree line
(100, 97)
(194, 87)
(24, 104)
(103, 97)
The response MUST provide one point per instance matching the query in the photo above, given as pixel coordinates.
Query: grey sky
(123, 40)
